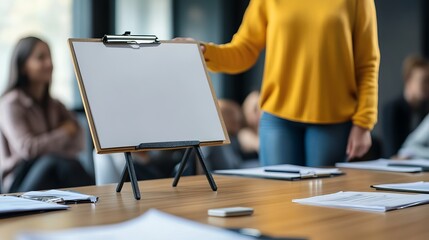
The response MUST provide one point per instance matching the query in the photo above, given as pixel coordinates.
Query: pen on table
(284, 171)
(291, 171)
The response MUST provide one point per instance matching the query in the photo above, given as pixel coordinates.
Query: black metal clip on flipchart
(127, 38)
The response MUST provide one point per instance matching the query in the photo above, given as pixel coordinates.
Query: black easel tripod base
(129, 170)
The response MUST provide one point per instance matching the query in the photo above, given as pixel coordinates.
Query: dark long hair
(17, 77)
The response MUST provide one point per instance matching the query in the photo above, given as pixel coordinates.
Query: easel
(129, 171)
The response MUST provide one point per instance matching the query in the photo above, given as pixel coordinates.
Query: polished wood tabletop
(275, 213)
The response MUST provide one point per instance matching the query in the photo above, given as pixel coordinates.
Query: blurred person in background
(227, 156)
(416, 146)
(249, 134)
(40, 138)
(402, 115)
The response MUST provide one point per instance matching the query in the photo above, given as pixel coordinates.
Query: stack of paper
(421, 187)
(423, 163)
(154, 225)
(368, 201)
(282, 172)
(11, 204)
(66, 196)
(383, 165)
(288, 168)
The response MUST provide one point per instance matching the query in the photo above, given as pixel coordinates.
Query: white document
(380, 165)
(421, 187)
(11, 204)
(281, 172)
(259, 173)
(423, 163)
(67, 196)
(288, 168)
(368, 201)
(153, 225)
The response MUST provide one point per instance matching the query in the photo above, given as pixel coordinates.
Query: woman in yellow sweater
(319, 93)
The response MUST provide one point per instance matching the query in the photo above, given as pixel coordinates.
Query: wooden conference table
(275, 214)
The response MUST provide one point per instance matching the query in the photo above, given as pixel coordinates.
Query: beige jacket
(27, 132)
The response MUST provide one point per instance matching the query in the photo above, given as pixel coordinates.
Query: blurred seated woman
(248, 135)
(227, 156)
(40, 138)
(402, 115)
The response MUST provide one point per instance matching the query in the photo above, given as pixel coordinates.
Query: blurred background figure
(40, 139)
(416, 145)
(404, 113)
(232, 116)
(242, 126)
(249, 134)
(227, 156)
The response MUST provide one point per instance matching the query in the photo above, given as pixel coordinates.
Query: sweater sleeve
(367, 60)
(243, 50)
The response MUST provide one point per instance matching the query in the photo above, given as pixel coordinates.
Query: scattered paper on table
(380, 165)
(281, 172)
(423, 163)
(303, 170)
(153, 225)
(369, 201)
(11, 204)
(67, 196)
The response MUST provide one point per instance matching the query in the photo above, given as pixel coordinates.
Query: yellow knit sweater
(322, 58)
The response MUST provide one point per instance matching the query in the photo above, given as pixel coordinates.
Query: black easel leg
(209, 176)
(182, 166)
(133, 178)
(124, 177)
(129, 171)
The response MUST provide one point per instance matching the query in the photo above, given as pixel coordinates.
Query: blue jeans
(286, 142)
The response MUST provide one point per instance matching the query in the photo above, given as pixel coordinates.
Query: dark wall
(103, 17)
